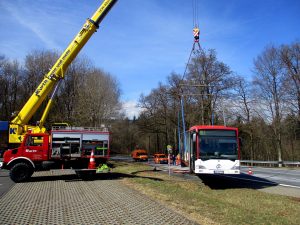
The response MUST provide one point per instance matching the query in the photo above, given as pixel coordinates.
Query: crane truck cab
(70, 147)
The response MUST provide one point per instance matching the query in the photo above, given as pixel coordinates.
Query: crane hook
(196, 32)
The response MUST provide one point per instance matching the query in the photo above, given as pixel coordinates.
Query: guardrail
(284, 163)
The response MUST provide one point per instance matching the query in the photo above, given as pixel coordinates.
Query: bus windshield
(218, 144)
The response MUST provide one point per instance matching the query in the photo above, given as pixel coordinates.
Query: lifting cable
(195, 13)
(196, 33)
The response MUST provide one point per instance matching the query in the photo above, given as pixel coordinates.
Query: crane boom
(18, 126)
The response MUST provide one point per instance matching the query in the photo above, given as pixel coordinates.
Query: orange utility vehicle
(139, 155)
(160, 158)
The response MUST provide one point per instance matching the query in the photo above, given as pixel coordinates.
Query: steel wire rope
(195, 25)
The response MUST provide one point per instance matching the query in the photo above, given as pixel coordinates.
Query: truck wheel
(20, 172)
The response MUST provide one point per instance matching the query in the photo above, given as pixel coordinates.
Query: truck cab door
(34, 147)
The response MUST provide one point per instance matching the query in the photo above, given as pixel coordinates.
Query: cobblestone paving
(57, 197)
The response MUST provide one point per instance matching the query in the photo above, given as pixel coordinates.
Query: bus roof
(211, 127)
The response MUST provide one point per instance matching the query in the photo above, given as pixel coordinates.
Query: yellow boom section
(18, 125)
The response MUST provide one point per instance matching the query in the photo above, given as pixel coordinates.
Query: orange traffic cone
(250, 171)
(92, 163)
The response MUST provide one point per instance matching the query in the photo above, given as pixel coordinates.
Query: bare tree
(243, 103)
(10, 92)
(290, 56)
(214, 79)
(37, 64)
(98, 99)
(205, 82)
(127, 136)
(69, 91)
(154, 118)
(269, 82)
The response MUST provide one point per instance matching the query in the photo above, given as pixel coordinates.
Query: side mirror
(240, 142)
(194, 137)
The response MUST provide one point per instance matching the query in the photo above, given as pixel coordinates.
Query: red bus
(212, 150)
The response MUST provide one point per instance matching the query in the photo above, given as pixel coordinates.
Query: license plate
(219, 171)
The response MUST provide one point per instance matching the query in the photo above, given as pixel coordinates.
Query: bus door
(193, 150)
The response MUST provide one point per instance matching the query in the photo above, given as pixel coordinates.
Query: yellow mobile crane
(18, 127)
(37, 149)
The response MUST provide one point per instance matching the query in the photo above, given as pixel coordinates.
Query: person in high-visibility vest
(178, 162)
(196, 33)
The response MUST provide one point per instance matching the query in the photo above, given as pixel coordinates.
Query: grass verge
(204, 205)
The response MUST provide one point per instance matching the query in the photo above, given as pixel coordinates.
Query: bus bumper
(217, 167)
(207, 171)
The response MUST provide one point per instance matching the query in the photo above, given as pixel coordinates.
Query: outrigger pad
(86, 174)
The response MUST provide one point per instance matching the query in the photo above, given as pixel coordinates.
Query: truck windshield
(218, 144)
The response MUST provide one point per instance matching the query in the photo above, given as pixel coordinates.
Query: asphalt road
(281, 176)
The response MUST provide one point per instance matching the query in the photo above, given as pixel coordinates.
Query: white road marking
(286, 185)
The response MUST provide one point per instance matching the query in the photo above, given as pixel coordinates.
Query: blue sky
(141, 42)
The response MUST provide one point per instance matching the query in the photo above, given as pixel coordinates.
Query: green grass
(209, 206)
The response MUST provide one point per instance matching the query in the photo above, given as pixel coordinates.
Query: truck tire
(20, 172)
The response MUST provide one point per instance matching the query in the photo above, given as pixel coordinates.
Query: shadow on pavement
(98, 176)
(235, 181)
(143, 171)
(5, 182)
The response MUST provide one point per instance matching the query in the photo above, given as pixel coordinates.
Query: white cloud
(131, 109)
(27, 20)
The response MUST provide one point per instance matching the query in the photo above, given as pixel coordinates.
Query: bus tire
(20, 172)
